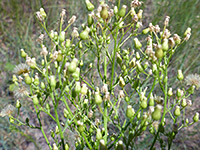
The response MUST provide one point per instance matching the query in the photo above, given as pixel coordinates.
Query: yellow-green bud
(137, 43)
(151, 100)
(177, 111)
(159, 53)
(180, 75)
(170, 93)
(165, 45)
(72, 66)
(66, 146)
(104, 12)
(130, 112)
(52, 82)
(137, 55)
(196, 117)
(28, 79)
(35, 100)
(188, 31)
(145, 31)
(56, 130)
(18, 104)
(98, 134)
(156, 115)
(115, 10)
(77, 88)
(84, 89)
(187, 121)
(42, 85)
(23, 54)
(89, 5)
(97, 98)
(62, 36)
(140, 14)
(122, 11)
(179, 93)
(121, 82)
(119, 59)
(132, 63)
(76, 74)
(143, 103)
(84, 35)
(139, 66)
(184, 103)
(11, 120)
(80, 126)
(67, 43)
(42, 13)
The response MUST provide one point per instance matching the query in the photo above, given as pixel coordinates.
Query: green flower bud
(130, 112)
(66, 146)
(62, 36)
(35, 100)
(156, 115)
(137, 55)
(104, 12)
(139, 66)
(23, 54)
(143, 104)
(42, 85)
(188, 31)
(81, 127)
(137, 43)
(115, 10)
(179, 93)
(28, 79)
(36, 81)
(121, 82)
(77, 88)
(145, 31)
(43, 63)
(186, 121)
(127, 99)
(89, 5)
(84, 35)
(191, 89)
(98, 134)
(60, 57)
(196, 117)
(97, 98)
(56, 130)
(18, 104)
(180, 75)
(140, 14)
(165, 45)
(119, 59)
(184, 103)
(42, 13)
(122, 12)
(90, 20)
(159, 53)
(67, 43)
(72, 66)
(151, 100)
(132, 63)
(119, 145)
(170, 93)
(84, 89)
(177, 111)
(11, 120)
(66, 113)
(76, 74)
(52, 82)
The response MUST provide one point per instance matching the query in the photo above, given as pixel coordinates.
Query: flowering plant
(109, 100)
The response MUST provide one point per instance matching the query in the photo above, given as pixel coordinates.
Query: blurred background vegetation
(19, 29)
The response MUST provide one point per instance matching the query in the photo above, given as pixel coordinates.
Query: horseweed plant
(109, 99)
